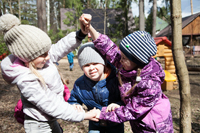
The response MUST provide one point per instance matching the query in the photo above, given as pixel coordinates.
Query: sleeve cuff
(103, 113)
(79, 35)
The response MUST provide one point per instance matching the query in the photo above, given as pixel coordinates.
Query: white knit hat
(24, 41)
(87, 54)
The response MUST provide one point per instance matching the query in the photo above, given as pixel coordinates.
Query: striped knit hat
(138, 47)
(24, 41)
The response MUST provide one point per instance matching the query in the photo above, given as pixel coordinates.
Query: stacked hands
(85, 20)
(94, 114)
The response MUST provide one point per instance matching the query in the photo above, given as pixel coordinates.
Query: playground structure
(165, 57)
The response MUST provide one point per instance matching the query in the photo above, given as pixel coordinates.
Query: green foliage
(120, 29)
(164, 13)
(69, 19)
(25, 22)
(93, 4)
(28, 10)
(137, 20)
(114, 40)
(55, 37)
(3, 47)
(72, 19)
(149, 23)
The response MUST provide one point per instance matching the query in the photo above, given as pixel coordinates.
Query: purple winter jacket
(147, 108)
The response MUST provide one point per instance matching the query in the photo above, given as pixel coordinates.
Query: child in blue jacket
(70, 57)
(98, 87)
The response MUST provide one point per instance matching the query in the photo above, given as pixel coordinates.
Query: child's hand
(98, 113)
(91, 115)
(78, 107)
(112, 107)
(85, 20)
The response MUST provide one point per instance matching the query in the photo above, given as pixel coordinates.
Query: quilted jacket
(43, 104)
(147, 108)
(96, 94)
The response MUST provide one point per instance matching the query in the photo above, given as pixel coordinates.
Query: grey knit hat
(87, 54)
(138, 47)
(24, 41)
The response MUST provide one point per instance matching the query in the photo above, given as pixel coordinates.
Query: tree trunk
(4, 7)
(191, 7)
(52, 27)
(41, 15)
(19, 10)
(10, 5)
(48, 16)
(154, 18)
(126, 10)
(181, 69)
(1, 6)
(63, 3)
(141, 15)
(56, 18)
(59, 15)
(105, 18)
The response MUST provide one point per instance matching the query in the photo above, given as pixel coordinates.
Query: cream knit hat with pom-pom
(24, 41)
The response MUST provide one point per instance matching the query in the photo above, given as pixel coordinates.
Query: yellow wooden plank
(170, 67)
(167, 59)
(169, 63)
(168, 54)
(168, 51)
(172, 71)
(169, 77)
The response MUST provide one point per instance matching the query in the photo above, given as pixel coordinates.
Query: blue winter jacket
(70, 57)
(96, 94)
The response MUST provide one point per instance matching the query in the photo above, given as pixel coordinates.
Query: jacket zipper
(154, 123)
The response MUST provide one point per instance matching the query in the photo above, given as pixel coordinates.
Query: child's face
(41, 60)
(126, 63)
(94, 71)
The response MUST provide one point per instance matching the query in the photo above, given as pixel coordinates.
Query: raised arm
(86, 27)
(102, 42)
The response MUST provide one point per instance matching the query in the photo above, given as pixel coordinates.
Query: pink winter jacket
(147, 108)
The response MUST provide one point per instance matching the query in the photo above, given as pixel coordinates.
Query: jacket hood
(13, 69)
(152, 70)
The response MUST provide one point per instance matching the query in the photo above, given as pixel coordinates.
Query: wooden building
(190, 26)
(190, 33)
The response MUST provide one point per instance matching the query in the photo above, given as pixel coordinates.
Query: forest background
(27, 11)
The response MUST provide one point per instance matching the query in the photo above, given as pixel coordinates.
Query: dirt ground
(9, 95)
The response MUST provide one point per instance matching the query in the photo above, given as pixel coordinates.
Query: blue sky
(185, 5)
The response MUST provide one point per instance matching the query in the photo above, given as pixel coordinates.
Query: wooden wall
(192, 28)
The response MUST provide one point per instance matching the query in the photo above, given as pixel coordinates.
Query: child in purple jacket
(140, 77)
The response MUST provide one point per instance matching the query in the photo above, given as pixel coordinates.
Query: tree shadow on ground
(195, 126)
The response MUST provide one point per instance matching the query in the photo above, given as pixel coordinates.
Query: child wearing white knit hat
(97, 87)
(31, 67)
